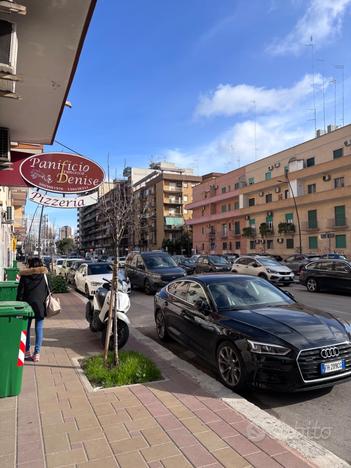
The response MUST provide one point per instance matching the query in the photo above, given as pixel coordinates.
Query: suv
(265, 267)
(297, 261)
(327, 274)
(211, 263)
(151, 270)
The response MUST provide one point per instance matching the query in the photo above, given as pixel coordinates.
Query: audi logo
(330, 352)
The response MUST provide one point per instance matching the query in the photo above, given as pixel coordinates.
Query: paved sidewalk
(57, 421)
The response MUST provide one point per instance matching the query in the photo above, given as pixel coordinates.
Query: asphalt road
(324, 416)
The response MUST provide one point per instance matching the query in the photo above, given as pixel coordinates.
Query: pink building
(217, 223)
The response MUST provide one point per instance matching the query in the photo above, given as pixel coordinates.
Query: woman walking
(33, 289)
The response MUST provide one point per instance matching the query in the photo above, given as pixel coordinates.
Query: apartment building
(267, 206)
(161, 198)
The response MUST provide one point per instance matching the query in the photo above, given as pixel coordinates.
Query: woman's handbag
(53, 306)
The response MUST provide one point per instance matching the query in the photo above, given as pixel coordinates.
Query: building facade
(303, 192)
(66, 232)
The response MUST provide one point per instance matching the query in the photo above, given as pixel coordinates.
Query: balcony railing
(173, 200)
(286, 228)
(171, 188)
(306, 226)
(211, 234)
(337, 223)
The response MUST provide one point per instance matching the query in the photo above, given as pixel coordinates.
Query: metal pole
(39, 235)
(297, 214)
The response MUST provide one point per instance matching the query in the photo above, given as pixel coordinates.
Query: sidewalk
(56, 421)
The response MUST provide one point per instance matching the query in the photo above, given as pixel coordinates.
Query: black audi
(254, 333)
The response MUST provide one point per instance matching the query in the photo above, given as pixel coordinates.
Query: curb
(278, 430)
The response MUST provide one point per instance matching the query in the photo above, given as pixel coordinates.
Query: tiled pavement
(57, 422)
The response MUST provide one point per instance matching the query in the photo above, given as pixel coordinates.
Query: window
(251, 202)
(251, 180)
(202, 230)
(203, 211)
(311, 188)
(180, 289)
(269, 198)
(203, 246)
(224, 189)
(5, 42)
(339, 182)
(340, 241)
(252, 222)
(185, 184)
(325, 266)
(310, 162)
(236, 205)
(196, 293)
(313, 242)
(225, 246)
(252, 245)
(185, 198)
(229, 206)
(224, 208)
(237, 227)
(338, 153)
(342, 267)
(236, 186)
(289, 243)
(269, 244)
(224, 229)
(340, 219)
(286, 194)
(312, 219)
(289, 217)
(268, 175)
(237, 245)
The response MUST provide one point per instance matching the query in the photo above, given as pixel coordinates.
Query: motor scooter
(96, 313)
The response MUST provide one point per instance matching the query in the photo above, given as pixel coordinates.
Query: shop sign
(62, 173)
(62, 202)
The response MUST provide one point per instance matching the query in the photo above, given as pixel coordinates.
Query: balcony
(306, 226)
(224, 236)
(286, 228)
(249, 232)
(172, 188)
(337, 223)
(211, 235)
(235, 234)
(173, 200)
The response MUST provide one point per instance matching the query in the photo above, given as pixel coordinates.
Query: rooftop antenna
(232, 148)
(323, 92)
(333, 81)
(311, 44)
(255, 129)
(342, 68)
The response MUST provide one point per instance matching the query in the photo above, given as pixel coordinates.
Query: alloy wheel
(312, 285)
(229, 365)
(161, 326)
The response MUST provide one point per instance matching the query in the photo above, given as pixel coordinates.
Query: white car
(265, 267)
(91, 276)
(66, 265)
(58, 265)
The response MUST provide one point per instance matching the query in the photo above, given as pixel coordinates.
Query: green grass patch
(133, 368)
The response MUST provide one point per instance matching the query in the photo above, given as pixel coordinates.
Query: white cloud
(241, 99)
(322, 20)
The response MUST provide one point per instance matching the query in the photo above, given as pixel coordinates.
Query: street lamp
(297, 211)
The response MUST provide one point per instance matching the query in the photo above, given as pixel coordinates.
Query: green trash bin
(13, 331)
(11, 274)
(8, 290)
(14, 264)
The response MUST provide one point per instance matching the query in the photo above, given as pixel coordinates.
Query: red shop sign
(62, 172)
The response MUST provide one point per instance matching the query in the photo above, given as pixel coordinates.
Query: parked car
(66, 265)
(211, 263)
(152, 270)
(265, 267)
(73, 270)
(297, 261)
(254, 333)
(47, 260)
(327, 274)
(91, 276)
(231, 257)
(334, 256)
(186, 263)
(58, 265)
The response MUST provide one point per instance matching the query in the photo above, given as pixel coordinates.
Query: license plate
(327, 367)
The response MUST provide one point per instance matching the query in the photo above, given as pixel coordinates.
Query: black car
(212, 263)
(151, 270)
(296, 262)
(334, 256)
(186, 263)
(254, 333)
(327, 274)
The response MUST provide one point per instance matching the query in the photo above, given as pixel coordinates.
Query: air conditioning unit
(280, 240)
(247, 217)
(331, 128)
(270, 168)
(347, 142)
(323, 235)
(326, 177)
(277, 189)
(10, 6)
(261, 194)
(277, 164)
(269, 213)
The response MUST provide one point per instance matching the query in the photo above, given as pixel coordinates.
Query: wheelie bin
(14, 317)
(8, 290)
(11, 274)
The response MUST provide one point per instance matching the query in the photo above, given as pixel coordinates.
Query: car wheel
(123, 335)
(234, 271)
(312, 285)
(161, 327)
(264, 276)
(230, 366)
(86, 290)
(148, 288)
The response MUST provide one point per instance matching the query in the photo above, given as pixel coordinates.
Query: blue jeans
(39, 332)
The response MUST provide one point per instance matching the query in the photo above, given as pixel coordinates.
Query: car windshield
(99, 269)
(242, 293)
(217, 260)
(266, 261)
(188, 261)
(159, 261)
(59, 262)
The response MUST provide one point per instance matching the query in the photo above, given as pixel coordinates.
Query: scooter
(96, 313)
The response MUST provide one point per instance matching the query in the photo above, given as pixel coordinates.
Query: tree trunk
(116, 304)
(110, 315)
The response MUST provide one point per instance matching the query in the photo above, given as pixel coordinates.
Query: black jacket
(32, 288)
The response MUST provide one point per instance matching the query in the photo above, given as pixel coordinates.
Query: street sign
(63, 202)
(62, 173)
(327, 235)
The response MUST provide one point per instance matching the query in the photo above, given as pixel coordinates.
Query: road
(324, 416)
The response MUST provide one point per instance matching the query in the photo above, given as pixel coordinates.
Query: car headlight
(267, 348)
(269, 270)
(94, 283)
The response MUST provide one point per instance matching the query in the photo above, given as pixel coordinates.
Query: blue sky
(186, 81)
